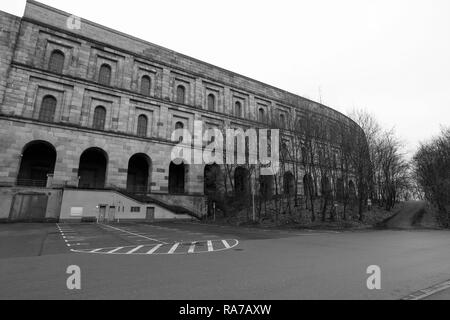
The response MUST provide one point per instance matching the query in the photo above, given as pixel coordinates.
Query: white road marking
(422, 294)
(174, 248)
(192, 247)
(153, 250)
(132, 233)
(225, 243)
(134, 250)
(115, 250)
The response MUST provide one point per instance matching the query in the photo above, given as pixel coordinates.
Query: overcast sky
(391, 58)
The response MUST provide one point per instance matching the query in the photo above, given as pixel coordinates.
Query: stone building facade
(102, 105)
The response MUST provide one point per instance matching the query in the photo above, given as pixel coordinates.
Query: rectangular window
(135, 209)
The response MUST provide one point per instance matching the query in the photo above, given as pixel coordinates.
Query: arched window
(282, 120)
(211, 102)
(48, 108)
(146, 85)
(261, 115)
(99, 118)
(142, 126)
(181, 94)
(284, 151)
(238, 109)
(56, 62)
(104, 75)
(179, 125)
(304, 156)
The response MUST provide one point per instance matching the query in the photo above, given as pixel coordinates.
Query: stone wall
(70, 144)
(26, 46)
(9, 30)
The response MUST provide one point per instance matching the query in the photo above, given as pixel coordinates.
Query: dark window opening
(104, 76)
(181, 95)
(138, 174)
(289, 184)
(211, 102)
(177, 175)
(142, 126)
(48, 109)
(146, 85)
(56, 63)
(99, 118)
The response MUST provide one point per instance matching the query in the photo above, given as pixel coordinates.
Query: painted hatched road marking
(225, 243)
(167, 249)
(115, 250)
(174, 248)
(135, 249)
(192, 247)
(70, 236)
(424, 293)
(135, 234)
(153, 250)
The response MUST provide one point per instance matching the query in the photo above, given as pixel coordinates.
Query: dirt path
(409, 217)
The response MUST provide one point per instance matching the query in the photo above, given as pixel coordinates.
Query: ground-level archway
(326, 189)
(177, 178)
(92, 169)
(308, 185)
(289, 184)
(340, 189)
(38, 162)
(212, 179)
(241, 181)
(139, 170)
(351, 190)
(266, 186)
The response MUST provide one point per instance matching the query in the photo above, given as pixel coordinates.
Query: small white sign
(76, 211)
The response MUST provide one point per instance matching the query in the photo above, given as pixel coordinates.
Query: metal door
(29, 207)
(150, 216)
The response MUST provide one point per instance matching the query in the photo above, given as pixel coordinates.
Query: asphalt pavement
(194, 261)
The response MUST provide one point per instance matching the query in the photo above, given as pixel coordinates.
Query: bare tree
(432, 172)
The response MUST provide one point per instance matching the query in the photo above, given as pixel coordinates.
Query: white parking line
(135, 249)
(174, 248)
(135, 234)
(225, 243)
(115, 250)
(152, 251)
(424, 293)
(192, 247)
